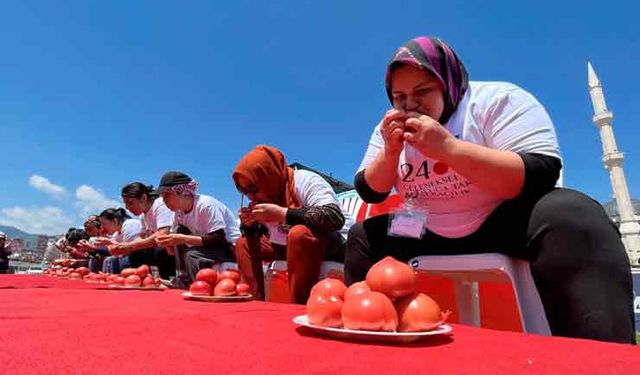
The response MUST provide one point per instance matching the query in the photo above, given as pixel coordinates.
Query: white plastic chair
(467, 270)
(281, 265)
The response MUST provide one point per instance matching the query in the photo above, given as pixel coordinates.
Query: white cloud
(89, 200)
(37, 220)
(46, 186)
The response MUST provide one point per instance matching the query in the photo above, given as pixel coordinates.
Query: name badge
(408, 224)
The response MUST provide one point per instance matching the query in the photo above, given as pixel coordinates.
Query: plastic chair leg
(468, 299)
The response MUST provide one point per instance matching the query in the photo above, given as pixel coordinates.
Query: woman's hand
(428, 136)
(392, 129)
(117, 249)
(246, 217)
(269, 212)
(168, 240)
(103, 241)
(84, 245)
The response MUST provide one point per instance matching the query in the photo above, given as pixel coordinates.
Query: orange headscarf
(267, 169)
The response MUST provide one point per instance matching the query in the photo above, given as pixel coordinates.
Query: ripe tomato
(225, 287)
(148, 281)
(142, 271)
(356, 288)
(128, 272)
(133, 280)
(392, 277)
(75, 276)
(329, 287)
(200, 288)
(207, 274)
(418, 312)
(371, 311)
(243, 289)
(118, 280)
(325, 310)
(229, 274)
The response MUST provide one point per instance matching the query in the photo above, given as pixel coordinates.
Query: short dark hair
(74, 235)
(118, 214)
(137, 190)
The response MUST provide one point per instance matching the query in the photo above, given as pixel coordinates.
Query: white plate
(188, 295)
(351, 334)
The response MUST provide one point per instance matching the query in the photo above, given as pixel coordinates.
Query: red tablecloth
(73, 328)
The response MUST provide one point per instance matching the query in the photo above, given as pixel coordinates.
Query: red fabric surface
(43, 281)
(84, 331)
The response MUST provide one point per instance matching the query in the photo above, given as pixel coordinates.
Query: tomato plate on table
(188, 295)
(373, 336)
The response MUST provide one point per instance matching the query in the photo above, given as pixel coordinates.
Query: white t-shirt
(131, 230)
(158, 216)
(209, 215)
(497, 115)
(313, 191)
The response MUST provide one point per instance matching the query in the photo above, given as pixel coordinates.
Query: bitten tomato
(229, 274)
(207, 274)
(370, 311)
(325, 310)
(356, 288)
(391, 277)
(329, 287)
(200, 288)
(418, 312)
(225, 287)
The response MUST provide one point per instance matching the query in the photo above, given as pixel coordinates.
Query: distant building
(612, 210)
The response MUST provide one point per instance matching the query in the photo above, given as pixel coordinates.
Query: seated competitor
(156, 219)
(293, 215)
(115, 222)
(204, 230)
(482, 160)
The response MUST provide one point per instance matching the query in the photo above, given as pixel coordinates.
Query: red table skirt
(70, 327)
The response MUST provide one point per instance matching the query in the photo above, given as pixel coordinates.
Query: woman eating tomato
(477, 164)
(204, 230)
(156, 219)
(293, 215)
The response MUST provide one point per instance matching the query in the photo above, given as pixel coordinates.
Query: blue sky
(97, 94)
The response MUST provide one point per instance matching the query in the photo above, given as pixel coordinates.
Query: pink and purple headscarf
(439, 59)
(189, 188)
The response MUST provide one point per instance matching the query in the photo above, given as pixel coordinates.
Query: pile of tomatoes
(386, 301)
(211, 283)
(131, 277)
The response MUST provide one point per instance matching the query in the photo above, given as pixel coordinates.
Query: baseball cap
(172, 178)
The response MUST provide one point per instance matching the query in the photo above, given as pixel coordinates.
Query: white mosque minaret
(612, 158)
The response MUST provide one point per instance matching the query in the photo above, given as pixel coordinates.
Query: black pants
(577, 259)
(155, 257)
(190, 260)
